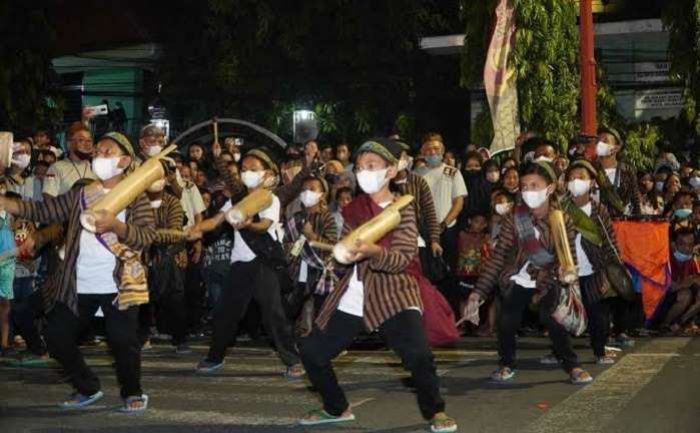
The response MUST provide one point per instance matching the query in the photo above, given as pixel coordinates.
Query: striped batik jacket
(169, 216)
(508, 258)
(140, 233)
(423, 204)
(388, 288)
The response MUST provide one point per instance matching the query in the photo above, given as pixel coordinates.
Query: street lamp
(304, 126)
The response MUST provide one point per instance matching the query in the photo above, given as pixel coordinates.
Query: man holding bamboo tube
(527, 270)
(379, 292)
(258, 267)
(100, 270)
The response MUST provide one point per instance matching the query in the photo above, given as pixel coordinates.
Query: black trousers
(598, 314)
(247, 281)
(25, 311)
(514, 303)
(62, 334)
(403, 333)
(194, 297)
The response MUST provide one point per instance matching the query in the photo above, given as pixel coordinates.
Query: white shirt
(95, 265)
(445, 188)
(610, 172)
(353, 300)
(192, 203)
(523, 278)
(585, 268)
(63, 174)
(241, 251)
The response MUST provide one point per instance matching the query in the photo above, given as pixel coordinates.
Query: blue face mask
(682, 213)
(433, 160)
(681, 257)
(421, 171)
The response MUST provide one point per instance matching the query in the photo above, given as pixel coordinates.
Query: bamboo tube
(251, 204)
(560, 238)
(127, 190)
(322, 246)
(6, 143)
(371, 231)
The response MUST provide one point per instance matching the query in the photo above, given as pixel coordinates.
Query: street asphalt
(653, 388)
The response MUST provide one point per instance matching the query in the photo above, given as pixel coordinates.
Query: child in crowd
(7, 276)
(682, 299)
(343, 198)
(473, 244)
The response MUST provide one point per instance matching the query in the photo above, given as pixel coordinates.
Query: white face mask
(106, 168)
(503, 208)
(236, 157)
(578, 187)
(405, 163)
(535, 199)
(157, 186)
(544, 159)
(155, 204)
(21, 161)
(659, 186)
(252, 179)
(602, 149)
(694, 182)
(153, 150)
(372, 182)
(310, 198)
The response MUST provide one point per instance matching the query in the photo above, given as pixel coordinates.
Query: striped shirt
(388, 288)
(424, 206)
(508, 258)
(140, 233)
(169, 216)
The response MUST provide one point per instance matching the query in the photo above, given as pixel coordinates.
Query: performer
(167, 261)
(525, 267)
(100, 270)
(377, 293)
(593, 251)
(311, 270)
(258, 268)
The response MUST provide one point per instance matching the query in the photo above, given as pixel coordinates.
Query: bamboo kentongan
(128, 189)
(371, 231)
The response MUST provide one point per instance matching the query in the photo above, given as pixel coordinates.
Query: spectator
(63, 174)
(617, 181)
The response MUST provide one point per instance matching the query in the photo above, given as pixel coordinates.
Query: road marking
(212, 418)
(590, 409)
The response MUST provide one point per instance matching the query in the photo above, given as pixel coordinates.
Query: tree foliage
(27, 98)
(682, 19)
(352, 61)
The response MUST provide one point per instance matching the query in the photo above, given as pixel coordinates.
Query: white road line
(211, 418)
(594, 406)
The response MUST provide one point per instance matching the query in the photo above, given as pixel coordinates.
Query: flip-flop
(442, 418)
(323, 417)
(78, 400)
(127, 409)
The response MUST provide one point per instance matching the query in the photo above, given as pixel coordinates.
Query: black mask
(472, 172)
(83, 155)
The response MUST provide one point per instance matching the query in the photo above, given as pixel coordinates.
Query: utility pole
(589, 89)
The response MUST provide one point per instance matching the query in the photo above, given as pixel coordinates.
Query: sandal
(131, 404)
(78, 400)
(502, 375)
(320, 416)
(579, 376)
(295, 371)
(441, 423)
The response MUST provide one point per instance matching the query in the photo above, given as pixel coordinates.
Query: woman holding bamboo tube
(100, 270)
(377, 292)
(527, 269)
(258, 267)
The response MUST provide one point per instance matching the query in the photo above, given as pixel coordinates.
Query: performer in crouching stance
(377, 293)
